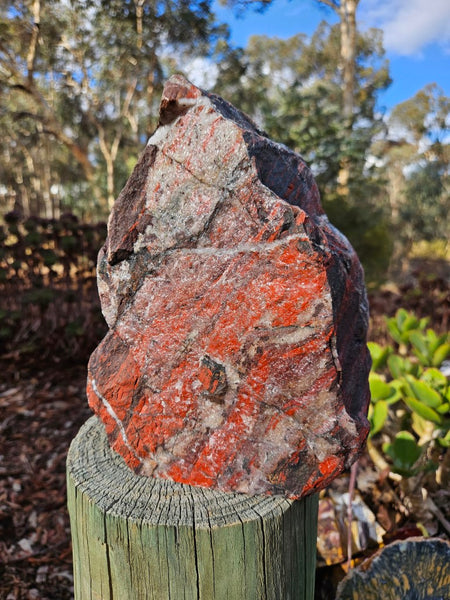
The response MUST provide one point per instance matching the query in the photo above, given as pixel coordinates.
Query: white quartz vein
(243, 248)
(110, 410)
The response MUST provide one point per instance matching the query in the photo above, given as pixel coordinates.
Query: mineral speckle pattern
(236, 357)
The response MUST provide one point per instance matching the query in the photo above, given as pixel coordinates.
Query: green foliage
(403, 324)
(379, 355)
(80, 93)
(404, 452)
(425, 212)
(40, 297)
(9, 320)
(410, 396)
(79, 96)
(416, 160)
(366, 225)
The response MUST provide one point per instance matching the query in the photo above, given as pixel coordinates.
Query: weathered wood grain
(142, 538)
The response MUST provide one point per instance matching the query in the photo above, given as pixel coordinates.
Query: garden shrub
(410, 395)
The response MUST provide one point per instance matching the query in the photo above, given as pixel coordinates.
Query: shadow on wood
(138, 538)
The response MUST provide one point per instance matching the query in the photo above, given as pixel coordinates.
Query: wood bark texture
(139, 538)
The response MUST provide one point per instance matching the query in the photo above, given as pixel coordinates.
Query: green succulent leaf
(397, 366)
(435, 379)
(436, 340)
(445, 441)
(422, 427)
(378, 418)
(379, 389)
(420, 347)
(404, 452)
(440, 355)
(404, 324)
(409, 324)
(394, 331)
(423, 410)
(400, 317)
(424, 392)
(423, 323)
(379, 355)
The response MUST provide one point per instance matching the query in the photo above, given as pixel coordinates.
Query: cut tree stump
(141, 538)
(412, 569)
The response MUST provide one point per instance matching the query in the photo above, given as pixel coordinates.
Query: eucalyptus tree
(28, 95)
(346, 13)
(347, 51)
(85, 75)
(416, 159)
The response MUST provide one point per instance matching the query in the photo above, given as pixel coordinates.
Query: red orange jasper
(236, 357)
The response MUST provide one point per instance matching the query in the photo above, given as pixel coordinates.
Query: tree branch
(333, 4)
(52, 126)
(123, 113)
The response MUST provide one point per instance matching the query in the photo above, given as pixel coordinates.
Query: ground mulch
(40, 414)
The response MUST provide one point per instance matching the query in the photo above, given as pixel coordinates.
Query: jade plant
(410, 396)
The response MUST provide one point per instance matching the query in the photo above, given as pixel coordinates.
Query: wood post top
(96, 470)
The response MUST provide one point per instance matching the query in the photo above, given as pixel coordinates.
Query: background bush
(49, 307)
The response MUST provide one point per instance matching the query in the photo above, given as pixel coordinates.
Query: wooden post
(138, 538)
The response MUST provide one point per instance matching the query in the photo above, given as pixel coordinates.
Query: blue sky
(416, 36)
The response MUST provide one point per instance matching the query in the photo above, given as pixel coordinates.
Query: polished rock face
(236, 355)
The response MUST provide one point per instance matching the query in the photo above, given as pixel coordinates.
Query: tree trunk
(347, 16)
(110, 180)
(346, 11)
(137, 537)
(31, 55)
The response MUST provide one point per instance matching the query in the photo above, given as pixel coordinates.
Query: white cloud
(409, 25)
(201, 72)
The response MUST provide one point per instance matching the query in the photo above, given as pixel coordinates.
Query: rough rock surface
(236, 357)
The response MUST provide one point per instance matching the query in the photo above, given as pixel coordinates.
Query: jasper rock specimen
(236, 356)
